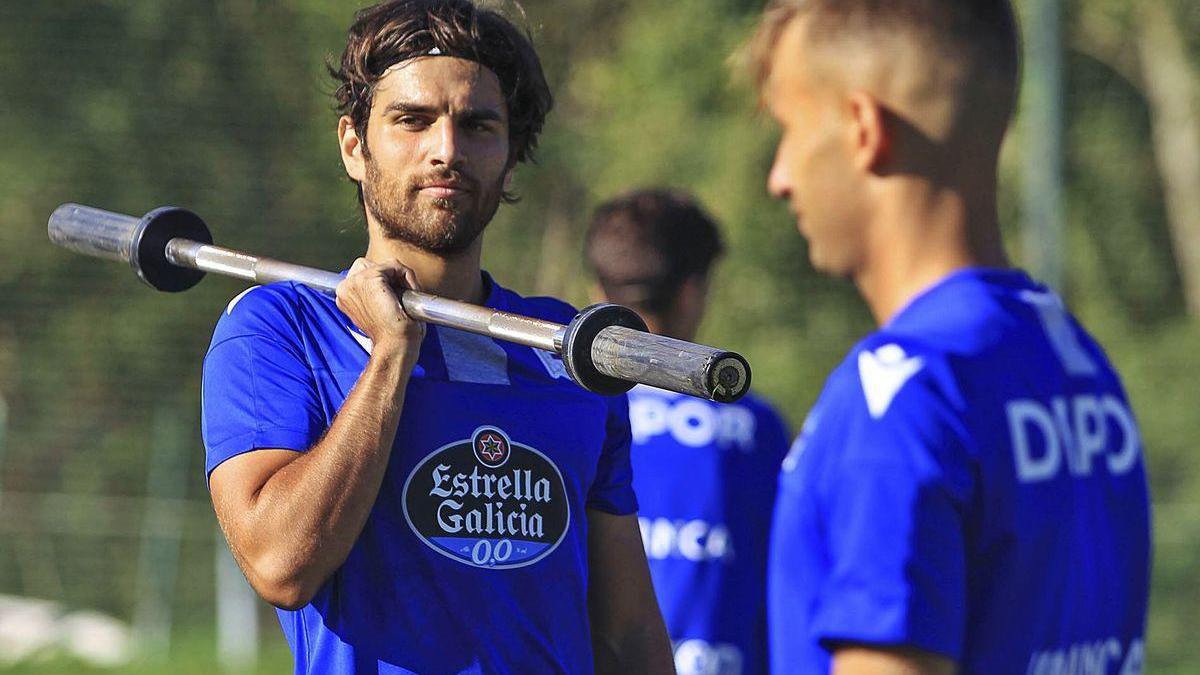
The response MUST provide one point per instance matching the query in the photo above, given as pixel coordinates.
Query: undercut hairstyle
(981, 35)
(644, 244)
(397, 30)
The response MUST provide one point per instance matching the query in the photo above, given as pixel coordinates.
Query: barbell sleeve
(668, 363)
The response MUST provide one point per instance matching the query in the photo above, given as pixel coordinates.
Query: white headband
(432, 52)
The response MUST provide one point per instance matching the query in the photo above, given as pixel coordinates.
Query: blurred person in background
(968, 492)
(415, 498)
(705, 473)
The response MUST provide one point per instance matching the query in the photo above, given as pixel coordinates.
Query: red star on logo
(492, 449)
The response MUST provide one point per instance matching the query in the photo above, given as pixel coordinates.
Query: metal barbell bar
(605, 348)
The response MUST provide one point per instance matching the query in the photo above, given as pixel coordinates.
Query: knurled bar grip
(605, 347)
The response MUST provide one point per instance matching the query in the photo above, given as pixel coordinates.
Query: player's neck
(456, 277)
(920, 238)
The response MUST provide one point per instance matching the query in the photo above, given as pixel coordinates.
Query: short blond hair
(980, 36)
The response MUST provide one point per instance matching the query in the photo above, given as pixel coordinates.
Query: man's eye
(411, 121)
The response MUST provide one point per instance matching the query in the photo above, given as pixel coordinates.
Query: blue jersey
(705, 479)
(474, 556)
(970, 483)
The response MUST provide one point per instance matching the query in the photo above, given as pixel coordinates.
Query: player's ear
(871, 140)
(353, 150)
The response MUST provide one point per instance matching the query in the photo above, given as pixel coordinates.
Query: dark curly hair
(390, 32)
(644, 244)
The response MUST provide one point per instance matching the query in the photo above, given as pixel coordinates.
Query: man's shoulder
(886, 370)
(894, 402)
(272, 311)
(542, 307)
(268, 297)
(544, 366)
(979, 334)
(959, 339)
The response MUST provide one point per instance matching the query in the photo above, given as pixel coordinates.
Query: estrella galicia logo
(491, 447)
(488, 502)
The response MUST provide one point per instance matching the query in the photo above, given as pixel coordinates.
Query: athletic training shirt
(474, 557)
(705, 477)
(970, 483)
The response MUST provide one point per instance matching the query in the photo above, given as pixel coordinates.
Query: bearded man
(414, 498)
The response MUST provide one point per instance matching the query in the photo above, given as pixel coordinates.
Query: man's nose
(448, 149)
(779, 181)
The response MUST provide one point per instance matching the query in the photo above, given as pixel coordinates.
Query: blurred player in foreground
(968, 490)
(705, 473)
(416, 498)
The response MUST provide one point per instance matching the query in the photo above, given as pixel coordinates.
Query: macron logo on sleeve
(238, 298)
(883, 373)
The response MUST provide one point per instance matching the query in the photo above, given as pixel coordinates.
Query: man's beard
(441, 226)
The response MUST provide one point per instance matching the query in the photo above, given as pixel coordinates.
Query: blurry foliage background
(222, 106)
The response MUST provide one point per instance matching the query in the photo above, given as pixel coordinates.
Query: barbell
(605, 348)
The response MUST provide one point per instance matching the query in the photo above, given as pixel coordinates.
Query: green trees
(223, 107)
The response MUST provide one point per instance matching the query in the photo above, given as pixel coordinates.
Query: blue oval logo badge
(488, 502)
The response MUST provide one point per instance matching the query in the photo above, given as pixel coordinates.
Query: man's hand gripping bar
(605, 348)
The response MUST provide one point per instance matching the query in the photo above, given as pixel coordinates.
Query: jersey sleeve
(258, 390)
(612, 490)
(893, 503)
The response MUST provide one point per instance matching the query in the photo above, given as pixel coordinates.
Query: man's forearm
(643, 649)
(298, 528)
(628, 633)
